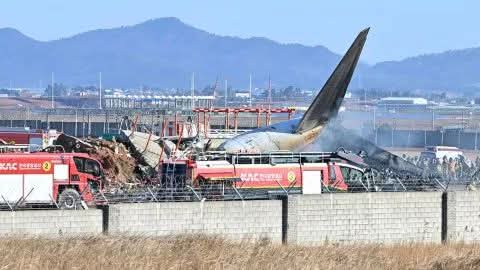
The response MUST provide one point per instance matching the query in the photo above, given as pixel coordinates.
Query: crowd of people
(449, 168)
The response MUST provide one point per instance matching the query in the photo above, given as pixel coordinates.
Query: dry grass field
(197, 252)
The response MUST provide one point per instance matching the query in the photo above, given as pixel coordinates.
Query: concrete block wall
(236, 220)
(303, 219)
(365, 217)
(463, 216)
(51, 222)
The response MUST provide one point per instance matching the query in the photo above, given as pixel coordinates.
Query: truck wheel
(69, 199)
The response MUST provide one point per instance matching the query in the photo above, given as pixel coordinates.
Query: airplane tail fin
(328, 101)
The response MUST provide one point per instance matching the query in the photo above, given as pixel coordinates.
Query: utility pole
(76, 122)
(375, 123)
(269, 92)
(364, 98)
(193, 90)
(226, 92)
(100, 89)
(476, 137)
(433, 119)
(215, 88)
(393, 129)
(250, 91)
(53, 90)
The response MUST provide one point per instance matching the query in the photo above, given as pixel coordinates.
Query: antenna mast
(226, 92)
(250, 91)
(269, 91)
(100, 89)
(53, 87)
(215, 87)
(193, 89)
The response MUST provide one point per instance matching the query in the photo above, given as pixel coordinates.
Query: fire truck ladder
(170, 171)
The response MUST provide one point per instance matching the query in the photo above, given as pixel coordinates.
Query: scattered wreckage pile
(118, 163)
(123, 165)
(129, 159)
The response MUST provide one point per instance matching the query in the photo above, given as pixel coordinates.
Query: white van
(438, 152)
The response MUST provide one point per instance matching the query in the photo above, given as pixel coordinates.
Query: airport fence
(179, 189)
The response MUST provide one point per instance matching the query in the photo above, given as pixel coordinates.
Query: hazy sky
(399, 28)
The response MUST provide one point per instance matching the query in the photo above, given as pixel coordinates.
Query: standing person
(445, 167)
(439, 166)
(458, 168)
(431, 166)
(451, 169)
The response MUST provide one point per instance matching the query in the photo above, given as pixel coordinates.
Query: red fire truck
(47, 178)
(309, 172)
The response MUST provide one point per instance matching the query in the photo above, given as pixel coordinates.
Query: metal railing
(22, 202)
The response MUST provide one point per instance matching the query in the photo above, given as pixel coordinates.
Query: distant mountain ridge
(164, 52)
(453, 70)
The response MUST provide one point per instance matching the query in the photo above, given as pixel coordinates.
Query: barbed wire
(180, 189)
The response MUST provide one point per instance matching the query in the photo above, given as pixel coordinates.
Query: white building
(242, 95)
(403, 101)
